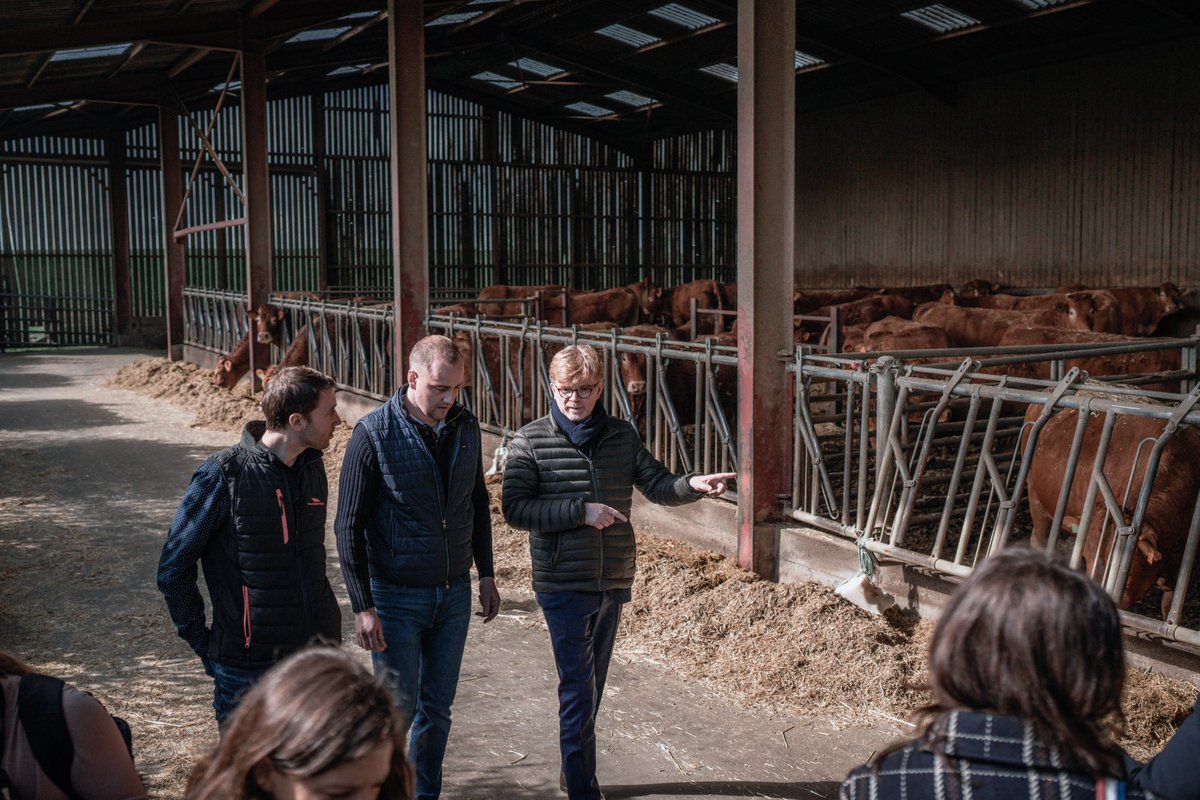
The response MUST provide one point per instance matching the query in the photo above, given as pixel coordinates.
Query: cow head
(979, 287)
(222, 376)
(1077, 309)
(1168, 296)
(265, 375)
(269, 324)
(650, 296)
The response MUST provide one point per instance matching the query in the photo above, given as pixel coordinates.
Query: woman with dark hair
(40, 762)
(1026, 669)
(317, 725)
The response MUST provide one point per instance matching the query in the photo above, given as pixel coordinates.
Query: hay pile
(184, 384)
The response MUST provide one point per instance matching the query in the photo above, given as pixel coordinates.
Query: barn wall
(1080, 172)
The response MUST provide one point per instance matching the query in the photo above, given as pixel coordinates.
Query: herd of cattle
(870, 320)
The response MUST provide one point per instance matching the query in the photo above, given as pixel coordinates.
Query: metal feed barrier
(923, 451)
(682, 411)
(926, 464)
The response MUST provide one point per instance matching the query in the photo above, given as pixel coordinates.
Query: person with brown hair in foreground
(317, 725)
(1026, 667)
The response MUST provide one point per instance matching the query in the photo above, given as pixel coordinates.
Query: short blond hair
(434, 347)
(575, 363)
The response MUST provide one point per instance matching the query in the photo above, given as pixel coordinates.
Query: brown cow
(295, 356)
(709, 295)
(230, 368)
(1143, 308)
(622, 306)
(984, 327)
(552, 301)
(869, 309)
(919, 294)
(1168, 513)
(978, 287)
(1149, 361)
(681, 383)
(457, 310)
(268, 321)
(896, 333)
(809, 300)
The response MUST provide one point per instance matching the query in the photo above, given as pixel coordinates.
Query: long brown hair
(1026, 636)
(311, 712)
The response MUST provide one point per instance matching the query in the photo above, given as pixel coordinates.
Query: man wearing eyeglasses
(569, 481)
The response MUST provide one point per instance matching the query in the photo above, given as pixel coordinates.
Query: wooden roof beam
(131, 89)
(218, 31)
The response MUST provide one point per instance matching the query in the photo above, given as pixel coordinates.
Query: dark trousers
(583, 627)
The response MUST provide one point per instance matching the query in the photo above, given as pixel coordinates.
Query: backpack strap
(40, 709)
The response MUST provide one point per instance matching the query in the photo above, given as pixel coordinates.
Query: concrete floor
(127, 459)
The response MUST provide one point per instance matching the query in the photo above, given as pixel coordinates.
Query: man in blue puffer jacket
(413, 515)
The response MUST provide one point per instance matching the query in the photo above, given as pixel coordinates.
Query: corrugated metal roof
(686, 17)
(940, 18)
(590, 109)
(628, 35)
(1040, 4)
(350, 69)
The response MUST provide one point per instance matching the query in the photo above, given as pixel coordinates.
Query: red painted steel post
(172, 197)
(118, 214)
(766, 228)
(254, 165)
(410, 243)
(256, 176)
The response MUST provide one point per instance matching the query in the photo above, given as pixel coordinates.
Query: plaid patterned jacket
(988, 757)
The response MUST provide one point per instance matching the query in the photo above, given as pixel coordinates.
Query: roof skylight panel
(536, 67)
(1037, 5)
(683, 16)
(629, 36)
(631, 98)
(722, 70)
(590, 110)
(232, 86)
(497, 80)
(81, 53)
(453, 19)
(351, 69)
(804, 59)
(318, 34)
(940, 18)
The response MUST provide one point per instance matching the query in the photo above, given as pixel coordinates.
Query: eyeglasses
(582, 392)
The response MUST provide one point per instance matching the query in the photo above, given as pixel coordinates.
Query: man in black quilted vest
(413, 515)
(569, 481)
(254, 517)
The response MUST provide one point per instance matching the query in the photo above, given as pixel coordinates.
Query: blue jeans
(583, 628)
(229, 684)
(425, 628)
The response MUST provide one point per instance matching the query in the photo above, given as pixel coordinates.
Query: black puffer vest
(266, 571)
(547, 481)
(414, 536)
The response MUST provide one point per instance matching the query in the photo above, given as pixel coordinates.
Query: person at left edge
(254, 516)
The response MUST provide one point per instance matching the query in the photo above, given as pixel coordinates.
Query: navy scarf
(582, 434)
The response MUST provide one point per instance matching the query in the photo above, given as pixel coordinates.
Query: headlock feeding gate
(927, 458)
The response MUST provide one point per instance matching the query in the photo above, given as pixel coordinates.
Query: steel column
(766, 232)
(172, 197)
(254, 169)
(118, 214)
(410, 218)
